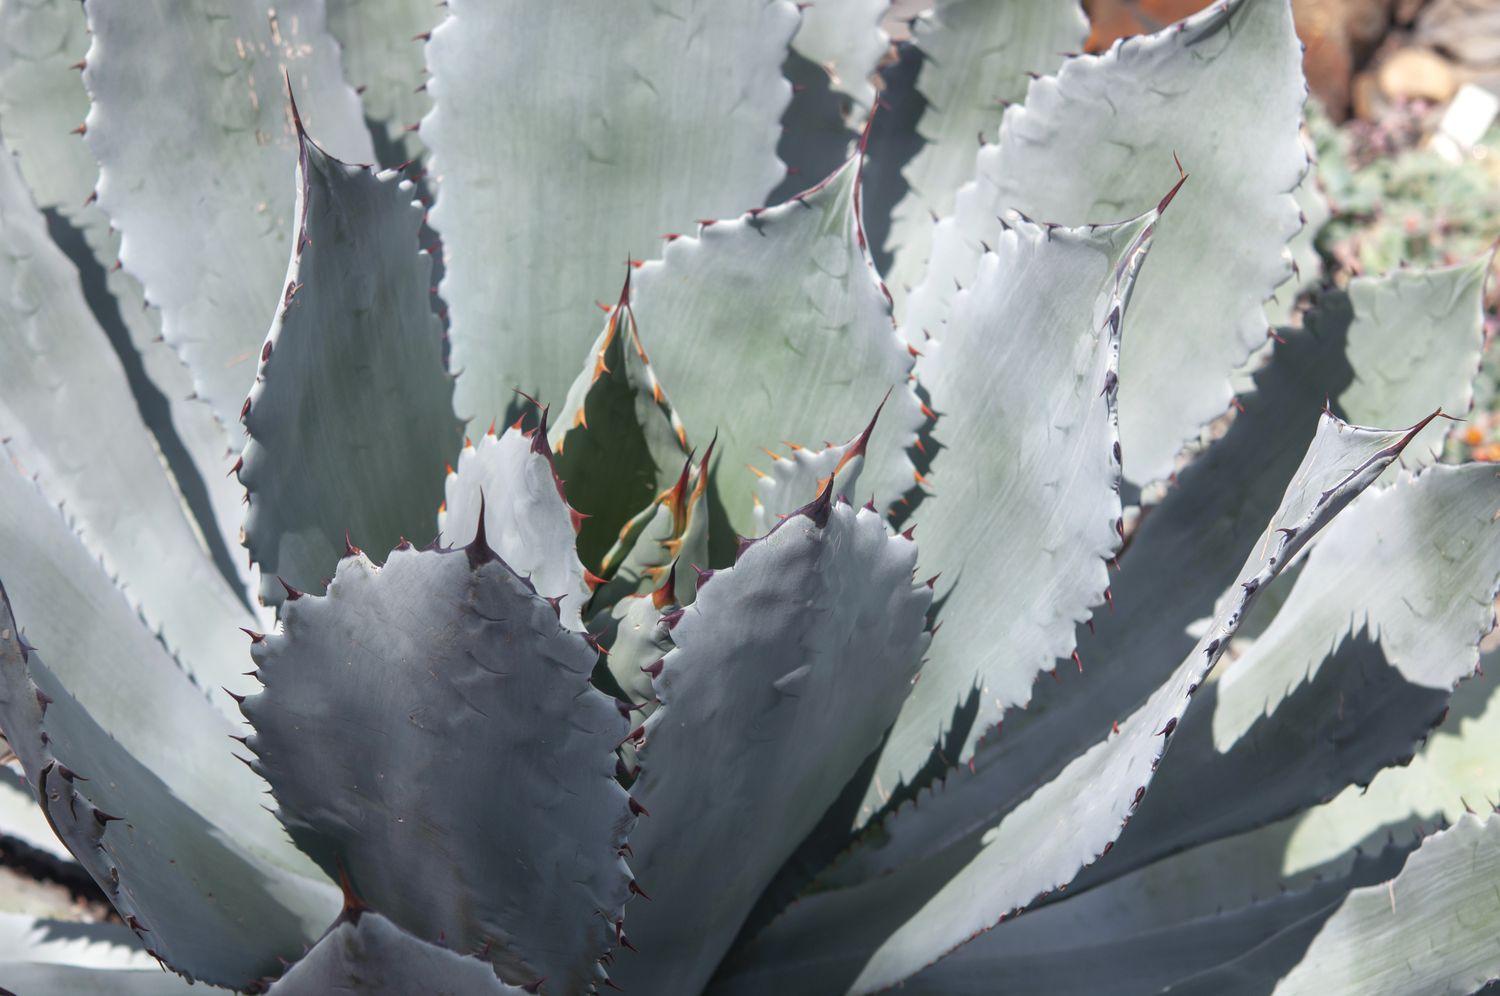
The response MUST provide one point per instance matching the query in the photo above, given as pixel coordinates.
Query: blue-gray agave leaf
(356, 351)
(437, 709)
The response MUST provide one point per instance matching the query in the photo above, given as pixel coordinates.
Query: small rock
(1418, 73)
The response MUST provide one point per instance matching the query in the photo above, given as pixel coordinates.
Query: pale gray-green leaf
(370, 956)
(845, 39)
(527, 519)
(42, 101)
(770, 327)
(1096, 143)
(977, 57)
(381, 43)
(136, 769)
(203, 195)
(1441, 315)
(803, 649)
(436, 709)
(643, 126)
(1027, 502)
(356, 352)
(67, 416)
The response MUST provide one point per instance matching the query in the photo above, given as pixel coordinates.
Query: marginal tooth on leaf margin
(292, 594)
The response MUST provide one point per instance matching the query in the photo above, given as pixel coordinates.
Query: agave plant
(520, 710)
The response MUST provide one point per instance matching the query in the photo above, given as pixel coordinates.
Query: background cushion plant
(578, 656)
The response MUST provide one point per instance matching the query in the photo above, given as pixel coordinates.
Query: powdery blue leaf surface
(1096, 143)
(527, 518)
(203, 194)
(804, 648)
(618, 441)
(67, 416)
(923, 911)
(1026, 502)
(643, 127)
(977, 58)
(367, 955)
(435, 708)
(356, 351)
(769, 327)
(136, 767)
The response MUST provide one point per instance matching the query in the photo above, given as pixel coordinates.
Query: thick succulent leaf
(381, 42)
(619, 441)
(510, 847)
(356, 351)
(42, 101)
(22, 820)
(845, 38)
(928, 909)
(1176, 562)
(642, 637)
(1440, 311)
(1022, 528)
(1285, 727)
(800, 475)
(62, 958)
(527, 518)
(1430, 930)
(1081, 149)
(201, 195)
(68, 417)
(643, 127)
(803, 649)
(977, 57)
(367, 955)
(770, 326)
(170, 826)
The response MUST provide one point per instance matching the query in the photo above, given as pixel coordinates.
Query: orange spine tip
(449, 468)
(591, 579)
(757, 471)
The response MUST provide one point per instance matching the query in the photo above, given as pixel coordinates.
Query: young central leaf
(429, 730)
